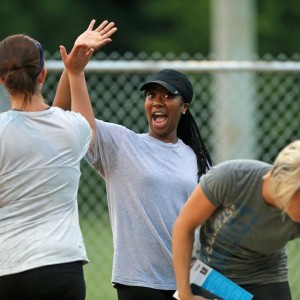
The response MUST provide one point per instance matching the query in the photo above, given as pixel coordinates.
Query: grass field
(98, 240)
(294, 271)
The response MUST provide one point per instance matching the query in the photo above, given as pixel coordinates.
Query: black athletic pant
(272, 291)
(126, 292)
(54, 282)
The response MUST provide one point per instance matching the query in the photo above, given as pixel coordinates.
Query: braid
(189, 133)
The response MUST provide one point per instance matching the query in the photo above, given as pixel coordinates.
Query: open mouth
(159, 118)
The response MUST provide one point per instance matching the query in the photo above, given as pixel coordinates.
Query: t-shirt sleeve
(108, 140)
(218, 184)
(83, 129)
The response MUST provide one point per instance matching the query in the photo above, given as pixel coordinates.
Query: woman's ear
(42, 76)
(185, 107)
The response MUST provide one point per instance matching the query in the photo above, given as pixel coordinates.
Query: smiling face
(163, 111)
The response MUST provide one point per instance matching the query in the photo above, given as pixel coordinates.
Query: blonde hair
(286, 174)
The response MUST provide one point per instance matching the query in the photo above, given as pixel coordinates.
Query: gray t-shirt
(245, 238)
(147, 182)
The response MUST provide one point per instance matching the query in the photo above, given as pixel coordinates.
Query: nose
(158, 101)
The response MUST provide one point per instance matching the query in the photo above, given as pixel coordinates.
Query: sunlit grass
(294, 271)
(98, 241)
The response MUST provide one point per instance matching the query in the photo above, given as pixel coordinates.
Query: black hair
(189, 133)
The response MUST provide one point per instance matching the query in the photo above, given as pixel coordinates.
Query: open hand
(77, 59)
(98, 37)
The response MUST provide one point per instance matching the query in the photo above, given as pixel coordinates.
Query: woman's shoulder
(242, 164)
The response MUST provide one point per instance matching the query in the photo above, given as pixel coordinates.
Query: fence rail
(191, 66)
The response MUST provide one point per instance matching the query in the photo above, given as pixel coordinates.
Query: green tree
(157, 25)
(278, 27)
(162, 26)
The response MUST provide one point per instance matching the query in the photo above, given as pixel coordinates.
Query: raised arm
(194, 213)
(75, 63)
(93, 38)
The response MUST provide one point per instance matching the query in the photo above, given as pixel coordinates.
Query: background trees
(158, 25)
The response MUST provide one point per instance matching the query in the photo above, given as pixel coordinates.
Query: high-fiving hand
(98, 37)
(77, 59)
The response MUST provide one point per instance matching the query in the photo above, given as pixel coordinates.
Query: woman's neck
(266, 190)
(166, 138)
(37, 103)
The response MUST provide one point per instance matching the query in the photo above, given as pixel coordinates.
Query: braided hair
(189, 133)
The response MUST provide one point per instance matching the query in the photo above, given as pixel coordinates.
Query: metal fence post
(233, 38)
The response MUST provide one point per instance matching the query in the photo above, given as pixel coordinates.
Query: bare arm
(95, 39)
(62, 97)
(194, 213)
(75, 63)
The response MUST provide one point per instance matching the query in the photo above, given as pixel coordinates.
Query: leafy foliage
(163, 26)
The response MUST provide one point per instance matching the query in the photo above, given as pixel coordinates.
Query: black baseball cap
(175, 82)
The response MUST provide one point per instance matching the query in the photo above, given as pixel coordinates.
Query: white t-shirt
(40, 154)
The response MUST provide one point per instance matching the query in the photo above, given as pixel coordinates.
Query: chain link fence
(247, 109)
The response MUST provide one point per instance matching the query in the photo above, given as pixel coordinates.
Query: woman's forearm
(182, 252)
(80, 98)
(62, 97)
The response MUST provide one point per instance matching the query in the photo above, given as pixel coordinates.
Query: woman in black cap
(148, 178)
